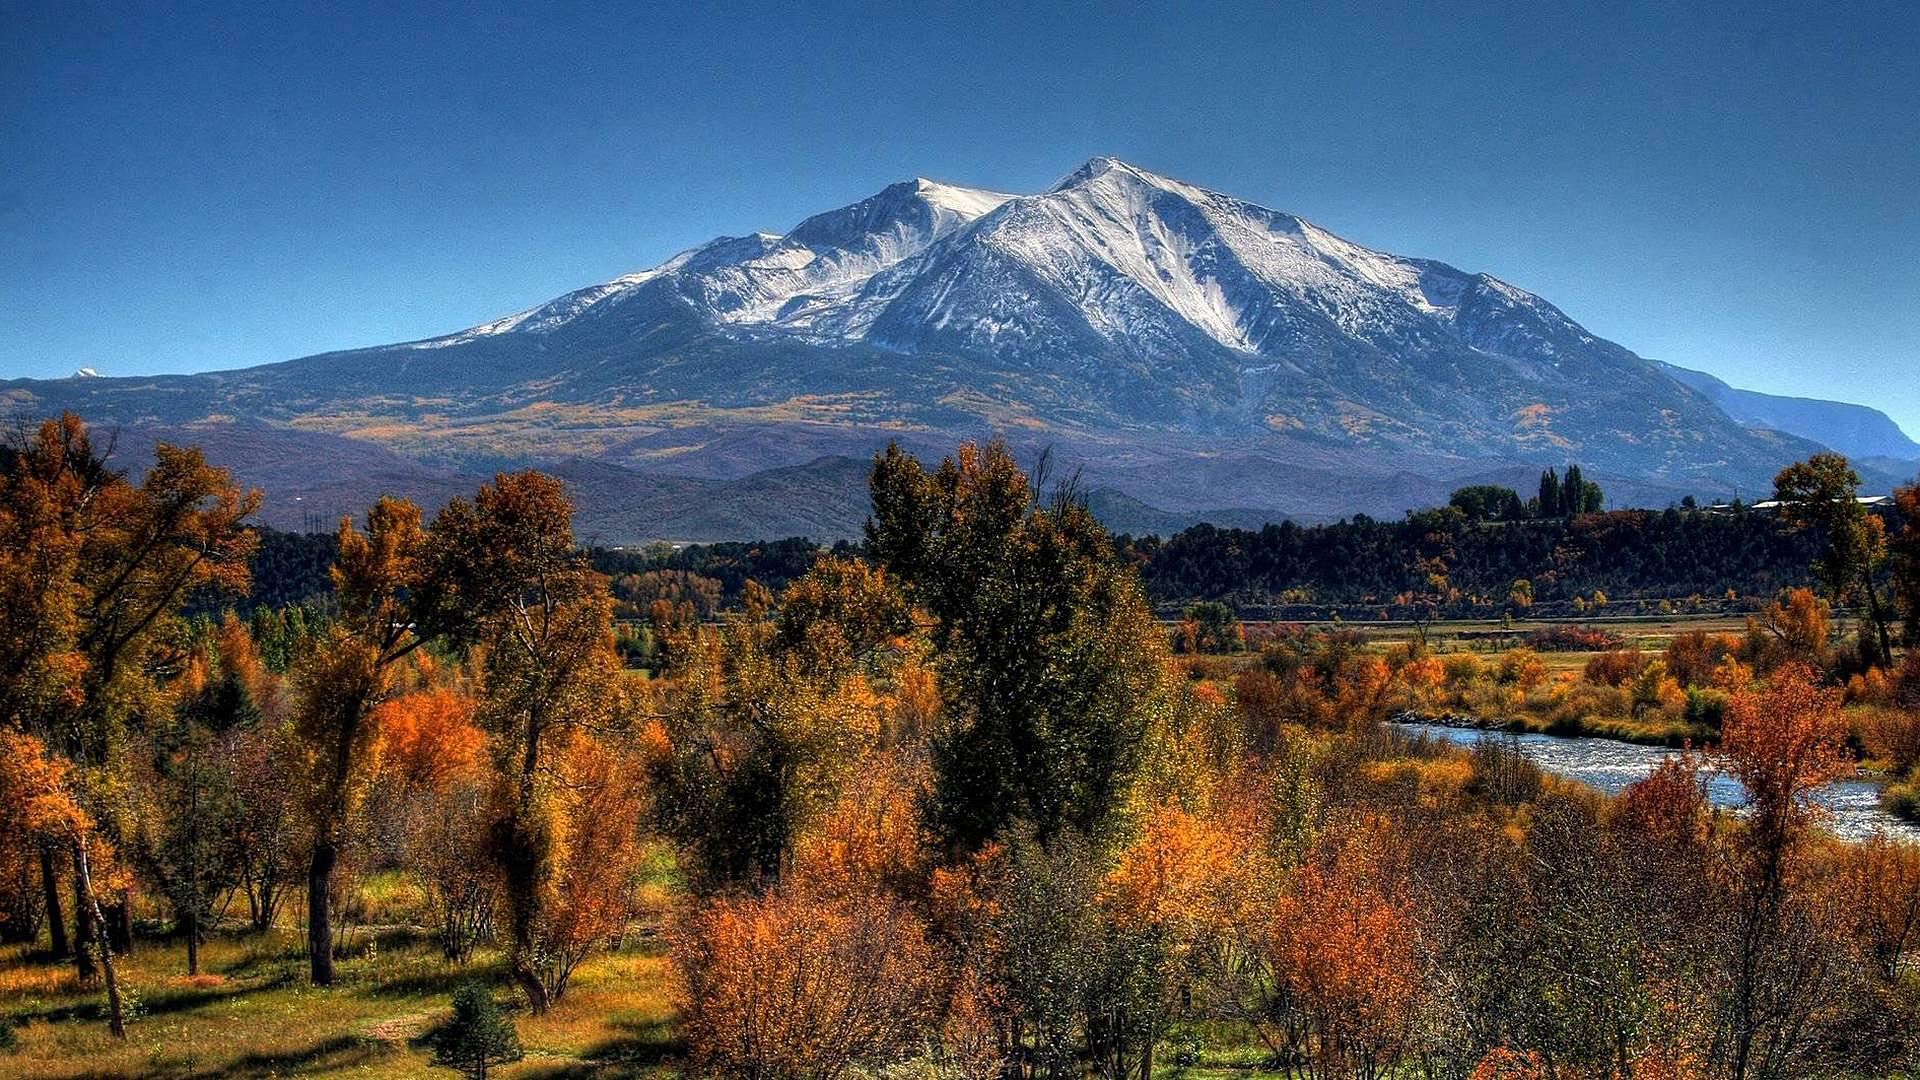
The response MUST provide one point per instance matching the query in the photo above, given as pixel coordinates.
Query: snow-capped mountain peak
(1119, 274)
(1119, 308)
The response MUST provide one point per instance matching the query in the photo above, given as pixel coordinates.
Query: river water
(1609, 765)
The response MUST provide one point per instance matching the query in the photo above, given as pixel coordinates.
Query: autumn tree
(1171, 896)
(1821, 492)
(765, 719)
(1793, 627)
(435, 760)
(1345, 946)
(510, 577)
(1782, 744)
(1046, 653)
(187, 836)
(594, 857)
(378, 576)
(38, 795)
(1903, 549)
(94, 569)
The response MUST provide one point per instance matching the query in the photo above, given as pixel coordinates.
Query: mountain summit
(1135, 321)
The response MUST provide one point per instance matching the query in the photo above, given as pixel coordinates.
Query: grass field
(252, 1015)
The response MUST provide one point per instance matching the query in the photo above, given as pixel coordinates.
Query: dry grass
(251, 1014)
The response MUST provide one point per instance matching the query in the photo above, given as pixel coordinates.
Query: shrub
(1583, 703)
(1522, 668)
(478, 1037)
(1615, 668)
(1573, 639)
(1502, 774)
(794, 985)
(1706, 706)
(1890, 735)
(1462, 669)
(1693, 656)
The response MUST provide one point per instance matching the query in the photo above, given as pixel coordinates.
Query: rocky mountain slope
(1185, 349)
(1854, 430)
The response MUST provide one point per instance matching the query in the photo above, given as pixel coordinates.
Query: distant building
(1769, 506)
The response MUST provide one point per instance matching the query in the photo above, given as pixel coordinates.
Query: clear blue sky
(185, 187)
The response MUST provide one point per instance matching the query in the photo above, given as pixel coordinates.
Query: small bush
(1573, 639)
(1615, 668)
(478, 1037)
(1902, 801)
(1706, 706)
(1693, 656)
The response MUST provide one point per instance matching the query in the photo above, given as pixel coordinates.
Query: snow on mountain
(1111, 254)
(1137, 320)
(786, 281)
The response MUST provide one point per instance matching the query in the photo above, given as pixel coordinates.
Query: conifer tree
(478, 1037)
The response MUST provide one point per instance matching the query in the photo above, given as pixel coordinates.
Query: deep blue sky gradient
(186, 187)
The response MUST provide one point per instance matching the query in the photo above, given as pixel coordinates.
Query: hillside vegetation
(955, 805)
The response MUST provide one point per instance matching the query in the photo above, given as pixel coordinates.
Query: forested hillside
(1353, 564)
(1626, 554)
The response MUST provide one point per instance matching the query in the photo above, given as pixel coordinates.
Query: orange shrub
(790, 985)
(1348, 953)
(1615, 668)
(1693, 656)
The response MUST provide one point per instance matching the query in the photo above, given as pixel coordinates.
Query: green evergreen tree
(1044, 644)
(1572, 492)
(478, 1037)
(1549, 495)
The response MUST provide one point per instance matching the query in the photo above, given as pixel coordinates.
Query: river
(1610, 765)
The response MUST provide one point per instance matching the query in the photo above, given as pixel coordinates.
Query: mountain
(1855, 430)
(1187, 350)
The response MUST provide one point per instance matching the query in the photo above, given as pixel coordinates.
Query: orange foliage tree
(434, 760)
(1781, 744)
(795, 985)
(377, 575)
(1345, 947)
(93, 571)
(595, 858)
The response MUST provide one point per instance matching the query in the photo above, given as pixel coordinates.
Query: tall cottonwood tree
(94, 569)
(1047, 654)
(378, 576)
(1821, 492)
(511, 578)
(1903, 549)
(1781, 744)
(766, 716)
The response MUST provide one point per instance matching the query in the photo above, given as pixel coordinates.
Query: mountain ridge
(1140, 326)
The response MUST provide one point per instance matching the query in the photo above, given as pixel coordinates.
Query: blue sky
(1735, 188)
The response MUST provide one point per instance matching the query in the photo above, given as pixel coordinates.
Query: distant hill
(1855, 430)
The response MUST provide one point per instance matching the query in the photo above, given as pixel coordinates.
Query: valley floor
(251, 1014)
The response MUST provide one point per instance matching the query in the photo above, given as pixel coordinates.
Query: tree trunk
(50, 885)
(1879, 620)
(522, 872)
(19, 910)
(522, 897)
(89, 913)
(86, 930)
(191, 923)
(319, 921)
(120, 925)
